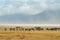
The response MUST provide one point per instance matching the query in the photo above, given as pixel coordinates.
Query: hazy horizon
(30, 11)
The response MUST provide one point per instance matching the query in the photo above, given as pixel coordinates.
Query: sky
(28, 7)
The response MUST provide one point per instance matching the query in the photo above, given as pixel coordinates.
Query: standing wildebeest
(38, 28)
(29, 29)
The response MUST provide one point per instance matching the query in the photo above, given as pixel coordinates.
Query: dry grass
(30, 35)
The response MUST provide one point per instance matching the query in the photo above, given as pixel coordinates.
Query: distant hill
(48, 16)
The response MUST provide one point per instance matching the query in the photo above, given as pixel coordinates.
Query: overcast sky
(30, 7)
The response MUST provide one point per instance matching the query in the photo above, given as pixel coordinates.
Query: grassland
(30, 35)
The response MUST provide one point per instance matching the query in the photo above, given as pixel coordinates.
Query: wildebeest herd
(30, 29)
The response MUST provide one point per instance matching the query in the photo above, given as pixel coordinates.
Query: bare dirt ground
(30, 35)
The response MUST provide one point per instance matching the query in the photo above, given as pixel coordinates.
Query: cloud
(30, 7)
